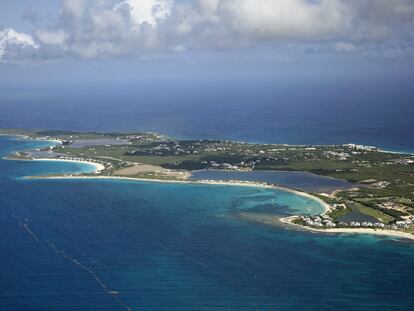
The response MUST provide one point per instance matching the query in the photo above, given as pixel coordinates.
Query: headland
(380, 201)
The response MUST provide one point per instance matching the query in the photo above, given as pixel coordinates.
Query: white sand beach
(98, 167)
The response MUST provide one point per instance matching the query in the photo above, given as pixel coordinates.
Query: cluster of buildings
(327, 222)
(241, 166)
(381, 184)
(322, 221)
(375, 183)
(404, 224)
(341, 156)
(364, 224)
(168, 147)
(404, 161)
(360, 147)
(394, 206)
(164, 149)
(136, 137)
(144, 137)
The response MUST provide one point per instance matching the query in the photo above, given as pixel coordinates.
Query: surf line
(25, 226)
(114, 294)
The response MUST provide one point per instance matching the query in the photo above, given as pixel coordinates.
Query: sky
(211, 68)
(35, 31)
(115, 41)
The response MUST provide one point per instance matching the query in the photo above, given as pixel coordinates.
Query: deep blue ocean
(307, 111)
(114, 245)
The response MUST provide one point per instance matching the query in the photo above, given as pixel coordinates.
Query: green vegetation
(382, 217)
(153, 175)
(337, 213)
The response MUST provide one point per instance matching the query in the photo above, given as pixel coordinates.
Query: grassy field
(340, 212)
(382, 217)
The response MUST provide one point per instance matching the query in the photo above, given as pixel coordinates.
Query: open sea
(114, 245)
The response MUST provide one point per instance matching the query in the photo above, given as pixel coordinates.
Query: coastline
(27, 137)
(378, 232)
(385, 150)
(323, 204)
(16, 135)
(285, 220)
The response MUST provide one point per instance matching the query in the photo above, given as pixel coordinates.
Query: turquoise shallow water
(106, 245)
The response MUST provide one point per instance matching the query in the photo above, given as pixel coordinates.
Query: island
(379, 200)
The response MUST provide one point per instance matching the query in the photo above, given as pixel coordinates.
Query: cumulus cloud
(147, 11)
(13, 43)
(51, 37)
(112, 28)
